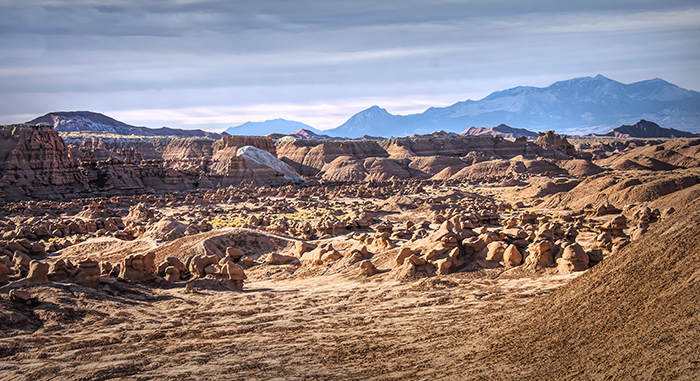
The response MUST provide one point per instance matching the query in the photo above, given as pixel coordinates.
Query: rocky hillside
(37, 164)
(436, 156)
(34, 163)
(634, 316)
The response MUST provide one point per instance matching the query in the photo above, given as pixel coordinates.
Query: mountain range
(279, 126)
(578, 106)
(646, 129)
(75, 121)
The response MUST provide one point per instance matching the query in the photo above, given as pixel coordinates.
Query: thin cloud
(188, 63)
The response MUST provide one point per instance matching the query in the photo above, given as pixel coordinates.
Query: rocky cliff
(554, 145)
(421, 156)
(190, 148)
(34, 163)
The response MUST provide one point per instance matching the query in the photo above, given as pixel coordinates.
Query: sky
(216, 64)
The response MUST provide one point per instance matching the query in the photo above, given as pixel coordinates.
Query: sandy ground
(317, 328)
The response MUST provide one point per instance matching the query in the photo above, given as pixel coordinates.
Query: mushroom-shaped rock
(233, 271)
(280, 259)
(247, 262)
(540, 255)
(301, 247)
(212, 269)
(234, 274)
(443, 265)
(615, 226)
(332, 255)
(58, 271)
(234, 253)
(106, 268)
(171, 274)
(21, 263)
(199, 262)
(138, 267)
(573, 259)
(416, 260)
(404, 253)
(4, 273)
(495, 251)
(87, 273)
(381, 244)
(38, 272)
(171, 262)
(512, 256)
(367, 268)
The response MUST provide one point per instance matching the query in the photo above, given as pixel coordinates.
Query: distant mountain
(576, 106)
(373, 120)
(646, 129)
(280, 126)
(502, 130)
(310, 135)
(73, 121)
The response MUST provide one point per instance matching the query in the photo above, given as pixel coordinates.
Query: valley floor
(315, 328)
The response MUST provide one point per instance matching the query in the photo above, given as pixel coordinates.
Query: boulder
(38, 272)
(21, 263)
(139, 213)
(367, 268)
(595, 255)
(20, 296)
(198, 263)
(404, 253)
(495, 251)
(87, 273)
(171, 274)
(4, 273)
(512, 257)
(233, 274)
(171, 262)
(573, 259)
(332, 255)
(234, 253)
(301, 247)
(59, 271)
(539, 255)
(138, 267)
(280, 259)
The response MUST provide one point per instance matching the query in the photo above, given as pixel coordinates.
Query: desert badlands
(433, 256)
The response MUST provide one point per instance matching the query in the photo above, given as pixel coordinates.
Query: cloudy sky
(215, 64)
